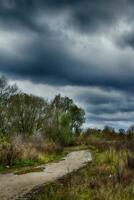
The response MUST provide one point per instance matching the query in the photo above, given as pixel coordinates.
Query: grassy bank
(109, 177)
(21, 154)
(25, 166)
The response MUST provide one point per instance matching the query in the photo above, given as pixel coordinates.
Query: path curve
(13, 186)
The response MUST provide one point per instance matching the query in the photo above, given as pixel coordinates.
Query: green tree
(77, 118)
(67, 118)
(29, 113)
(6, 91)
(130, 131)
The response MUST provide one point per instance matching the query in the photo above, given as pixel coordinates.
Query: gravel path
(13, 187)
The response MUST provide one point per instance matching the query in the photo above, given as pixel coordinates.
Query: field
(110, 176)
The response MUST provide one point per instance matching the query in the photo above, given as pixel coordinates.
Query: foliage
(29, 112)
(31, 126)
(19, 152)
(6, 91)
(23, 114)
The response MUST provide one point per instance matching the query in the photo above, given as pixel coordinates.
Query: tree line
(110, 132)
(22, 114)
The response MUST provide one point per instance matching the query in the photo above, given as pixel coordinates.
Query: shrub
(18, 150)
(130, 161)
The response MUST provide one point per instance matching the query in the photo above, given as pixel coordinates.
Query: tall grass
(16, 150)
(109, 177)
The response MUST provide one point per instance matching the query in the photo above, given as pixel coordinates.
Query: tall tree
(6, 91)
(29, 112)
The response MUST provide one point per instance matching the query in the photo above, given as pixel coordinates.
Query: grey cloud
(114, 108)
(110, 118)
(48, 57)
(126, 39)
(46, 53)
(86, 15)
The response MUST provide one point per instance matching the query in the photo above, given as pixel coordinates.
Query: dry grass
(109, 177)
(17, 149)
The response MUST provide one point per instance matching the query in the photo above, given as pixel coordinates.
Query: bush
(18, 150)
(130, 161)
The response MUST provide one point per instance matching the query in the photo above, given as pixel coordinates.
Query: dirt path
(13, 186)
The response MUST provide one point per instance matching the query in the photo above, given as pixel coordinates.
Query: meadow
(110, 176)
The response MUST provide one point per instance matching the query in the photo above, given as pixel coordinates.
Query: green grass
(29, 165)
(106, 178)
(29, 170)
(25, 164)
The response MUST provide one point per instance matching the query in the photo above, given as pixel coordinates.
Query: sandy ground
(14, 187)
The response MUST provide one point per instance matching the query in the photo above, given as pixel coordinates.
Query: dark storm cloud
(126, 39)
(51, 61)
(84, 14)
(35, 45)
(53, 65)
(108, 119)
(113, 108)
(104, 107)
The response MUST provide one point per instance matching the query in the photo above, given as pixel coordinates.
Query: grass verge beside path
(30, 165)
(109, 177)
(27, 165)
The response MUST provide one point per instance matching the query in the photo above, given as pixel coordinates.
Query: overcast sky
(83, 49)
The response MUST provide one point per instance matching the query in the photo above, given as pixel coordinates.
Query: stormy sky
(83, 49)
